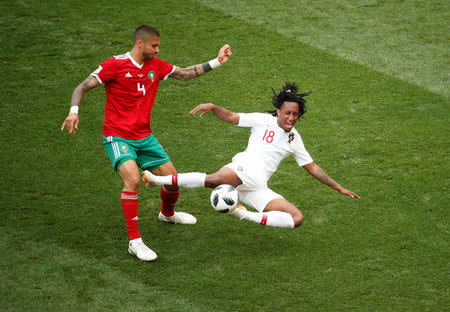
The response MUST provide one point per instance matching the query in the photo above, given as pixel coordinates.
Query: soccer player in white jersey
(272, 139)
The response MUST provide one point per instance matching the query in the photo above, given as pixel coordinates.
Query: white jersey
(269, 144)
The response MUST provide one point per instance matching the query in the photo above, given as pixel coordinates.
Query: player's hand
(349, 193)
(71, 122)
(206, 107)
(224, 54)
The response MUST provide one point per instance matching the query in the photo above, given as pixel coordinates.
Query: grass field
(377, 122)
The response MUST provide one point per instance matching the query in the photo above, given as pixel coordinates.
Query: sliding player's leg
(224, 176)
(193, 179)
(273, 209)
(279, 209)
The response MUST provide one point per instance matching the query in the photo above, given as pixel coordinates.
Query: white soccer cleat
(137, 248)
(149, 178)
(238, 212)
(178, 218)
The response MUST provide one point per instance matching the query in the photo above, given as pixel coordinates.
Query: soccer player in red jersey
(131, 82)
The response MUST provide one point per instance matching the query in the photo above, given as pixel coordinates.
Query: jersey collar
(133, 61)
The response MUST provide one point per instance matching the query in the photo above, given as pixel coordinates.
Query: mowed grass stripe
(404, 39)
(47, 277)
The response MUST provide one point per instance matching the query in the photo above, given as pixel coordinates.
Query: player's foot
(149, 178)
(137, 248)
(238, 212)
(178, 218)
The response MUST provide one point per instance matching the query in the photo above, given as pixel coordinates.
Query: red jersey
(130, 93)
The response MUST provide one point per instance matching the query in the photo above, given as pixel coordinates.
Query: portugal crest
(151, 75)
(291, 137)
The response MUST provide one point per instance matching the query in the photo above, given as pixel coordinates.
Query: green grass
(404, 39)
(377, 132)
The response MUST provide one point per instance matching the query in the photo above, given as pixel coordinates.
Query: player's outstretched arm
(220, 112)
(201, 69)
(71, 121)
(318, 173)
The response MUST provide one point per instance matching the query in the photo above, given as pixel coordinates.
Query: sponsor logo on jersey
(151, 75)
(128, 75)
(291, 137)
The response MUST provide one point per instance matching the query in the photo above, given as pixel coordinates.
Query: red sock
(130, 205)
(169, 199)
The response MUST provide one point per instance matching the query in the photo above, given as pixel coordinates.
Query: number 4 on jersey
(141, 88)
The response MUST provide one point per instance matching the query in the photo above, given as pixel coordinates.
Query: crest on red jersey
(151, 75)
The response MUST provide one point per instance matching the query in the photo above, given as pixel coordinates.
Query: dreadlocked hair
(289, 94)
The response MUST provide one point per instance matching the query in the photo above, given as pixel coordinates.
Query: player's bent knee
(132, 182)
(213, 180)
(135, 181)
(298, 219)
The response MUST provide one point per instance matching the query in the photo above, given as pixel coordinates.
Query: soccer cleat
(137, 248)
(238, 212)
(148, 178)
(178, 218)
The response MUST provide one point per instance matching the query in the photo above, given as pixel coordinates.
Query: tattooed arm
(201, 69)
(188, 72)
(318, 173)
(71, 122)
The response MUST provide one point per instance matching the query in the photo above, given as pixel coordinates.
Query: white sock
(191, 179)
(187, 180)
(271, 218)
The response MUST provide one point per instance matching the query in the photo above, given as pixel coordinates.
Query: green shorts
(146, 152)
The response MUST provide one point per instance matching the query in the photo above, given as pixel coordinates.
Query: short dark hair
(289, 93)
(145, 31)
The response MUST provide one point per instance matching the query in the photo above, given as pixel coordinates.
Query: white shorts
(253, 191)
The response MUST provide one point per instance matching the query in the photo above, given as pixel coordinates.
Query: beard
(148, 56)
